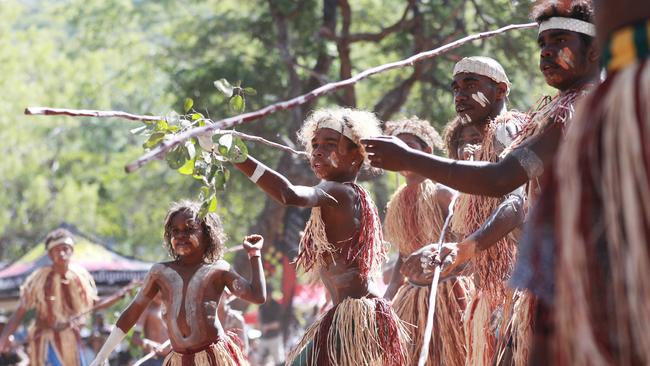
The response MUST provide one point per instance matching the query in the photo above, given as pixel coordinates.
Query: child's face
(187, 236)
(334, 157)
(469, 141)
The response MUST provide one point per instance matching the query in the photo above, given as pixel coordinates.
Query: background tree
(148, 56)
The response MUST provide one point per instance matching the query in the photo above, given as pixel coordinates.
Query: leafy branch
(230, 122)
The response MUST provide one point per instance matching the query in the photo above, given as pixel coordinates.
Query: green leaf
(250, 91)
(188, 104)
(188, 167)
(173, 129)
(237, 103)
(225, 144)
(220, 180)
(213, 204)
(204, 192)
(196, 116)
(162, 126)
(154, 140)
(239, 152)
(177, 157)
(224, 86)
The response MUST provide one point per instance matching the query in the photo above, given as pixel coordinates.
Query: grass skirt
(448, 339)
(363, 331)
(224, 352)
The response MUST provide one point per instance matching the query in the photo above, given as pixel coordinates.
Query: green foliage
(156, 56)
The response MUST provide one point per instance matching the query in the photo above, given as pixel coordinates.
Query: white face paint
(481, 99)
(333, 159)
(565, 58)
(465, 119)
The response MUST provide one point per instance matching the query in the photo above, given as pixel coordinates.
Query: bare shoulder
(341, 192)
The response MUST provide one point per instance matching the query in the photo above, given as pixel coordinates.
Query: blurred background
(146, 57)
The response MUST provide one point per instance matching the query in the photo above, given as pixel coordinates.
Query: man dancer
(60, 293)
(486, 221)
(569, 62)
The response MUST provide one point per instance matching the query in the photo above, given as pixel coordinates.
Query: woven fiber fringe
(480, 332)
(516, 328)
(492, 267)
(366, 248)
(64, 343)
(448, 338)
(413, 217)
(225, 352)
(356, 332)
(44, 282)
(619, 153)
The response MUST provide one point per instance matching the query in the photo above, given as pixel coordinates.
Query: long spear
(424, 353)
(226, 123)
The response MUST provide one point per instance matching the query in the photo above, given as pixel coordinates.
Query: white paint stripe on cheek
(333, 159)
(478, 99)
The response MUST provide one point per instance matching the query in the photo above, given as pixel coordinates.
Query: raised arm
(281, 189)
(255, 290)
(11, 326)
(489, 179)
(127, 319)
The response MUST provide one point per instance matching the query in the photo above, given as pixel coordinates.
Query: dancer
(191, 286)
(61, 293)
(569, 62)
(602, 220)
(414, 217)
(342, 245)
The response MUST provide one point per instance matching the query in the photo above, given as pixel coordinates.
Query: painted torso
(190, 301)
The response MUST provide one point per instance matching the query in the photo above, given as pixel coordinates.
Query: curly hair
(451, 134)
(363, 124)
(417, 127)
(210, 224)
(57, 234)
(576, 9)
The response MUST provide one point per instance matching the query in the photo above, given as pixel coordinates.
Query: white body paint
(197, 307)
(481, 99)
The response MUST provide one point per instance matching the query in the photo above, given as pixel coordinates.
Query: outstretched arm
(11, 327)
(127, 319)
(489, 179)
(255, 290)
(281, 189)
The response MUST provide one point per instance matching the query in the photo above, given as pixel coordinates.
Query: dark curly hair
(210, 224)
(576, 9)
(450, 135)
(57, 234)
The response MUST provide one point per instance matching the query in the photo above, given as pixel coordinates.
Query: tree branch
(33, 111)
(226, 123)
(118, 114)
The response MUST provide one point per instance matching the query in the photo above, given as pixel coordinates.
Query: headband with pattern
(484, 66)
(570, 24)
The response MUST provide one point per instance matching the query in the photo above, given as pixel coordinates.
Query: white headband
(484, 66)
(66, 240)
(337, 126)
(570, 24)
